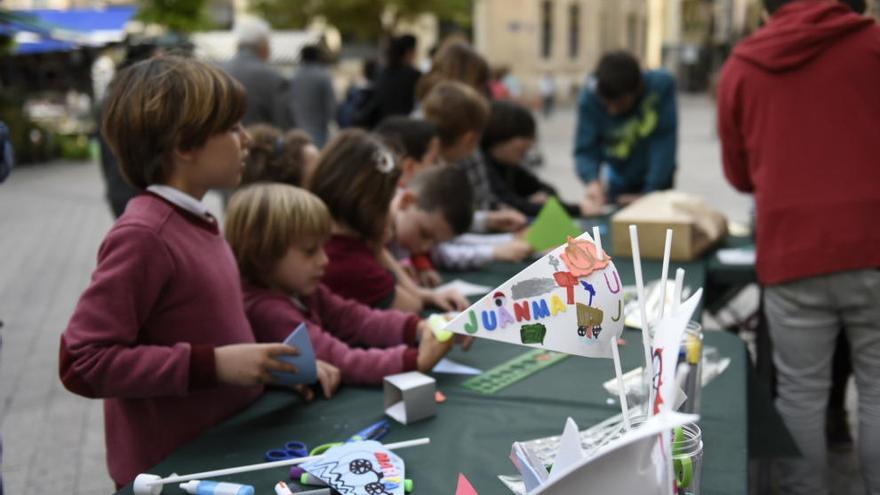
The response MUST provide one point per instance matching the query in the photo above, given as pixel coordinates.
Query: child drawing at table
(357, 177)
(277, 233)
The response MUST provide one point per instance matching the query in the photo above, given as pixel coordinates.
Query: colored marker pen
(196, 487)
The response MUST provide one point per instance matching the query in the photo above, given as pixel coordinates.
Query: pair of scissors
(291, 450)
(373, 432)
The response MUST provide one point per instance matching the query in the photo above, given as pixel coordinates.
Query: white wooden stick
(676, 293)
(597, 239)
(640, 292)
(274, 464)
(664, 274)
(621, 391)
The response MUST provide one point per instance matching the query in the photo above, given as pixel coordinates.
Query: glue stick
(196, 487)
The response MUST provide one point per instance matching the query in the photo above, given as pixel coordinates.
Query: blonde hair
(263, 220)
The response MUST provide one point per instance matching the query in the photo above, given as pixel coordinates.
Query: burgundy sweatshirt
(799, 120)
(165, 293)
(336, 325)
(355, 272)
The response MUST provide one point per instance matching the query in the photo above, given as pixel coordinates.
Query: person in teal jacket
(628, 120)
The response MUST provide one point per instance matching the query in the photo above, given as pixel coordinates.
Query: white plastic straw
(640, 292)
(274, 464)
(676, 293)
(597, 238)
(621, 390)
(664, 274)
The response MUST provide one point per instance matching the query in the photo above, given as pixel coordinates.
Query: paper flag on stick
(551, 227)
(668, 335)
(464, 486)
(360, 468)
(304, 361)
(568, 301)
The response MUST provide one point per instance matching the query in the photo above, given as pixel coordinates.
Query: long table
(471, 432)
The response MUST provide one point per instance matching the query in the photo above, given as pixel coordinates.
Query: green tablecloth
(472, 433)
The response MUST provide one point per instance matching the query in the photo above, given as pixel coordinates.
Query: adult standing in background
(395, 88)
(627, 120)
(314, 100)
(799, 122)
(547, 90)
(267, 90)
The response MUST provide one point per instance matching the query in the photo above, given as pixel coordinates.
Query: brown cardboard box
(695, 226)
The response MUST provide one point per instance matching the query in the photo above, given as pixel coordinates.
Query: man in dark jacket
(799, 120)
(395, 88)
(267, 91)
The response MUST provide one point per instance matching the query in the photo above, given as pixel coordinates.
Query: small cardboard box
(409, 397)
(695, 226)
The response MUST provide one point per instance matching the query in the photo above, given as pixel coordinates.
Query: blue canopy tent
(47, 30)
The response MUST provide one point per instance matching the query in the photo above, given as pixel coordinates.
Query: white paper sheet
(466, 289)
(737, 256)
(451, 367)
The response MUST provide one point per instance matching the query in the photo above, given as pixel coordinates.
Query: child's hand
(464, 341)
(247, 365)
(431, 351)
(515, 250)
(594, 199)
(430, 278)
(447, 300)
(329, 377)
(539, 198)
(505, 220)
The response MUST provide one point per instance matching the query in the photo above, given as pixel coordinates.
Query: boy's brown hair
(274, 156)
(445, 190)
(264, 220)
(456, 109)
(164, 104)
(356, 177)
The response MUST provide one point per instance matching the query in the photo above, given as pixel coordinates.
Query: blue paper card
(304, 362)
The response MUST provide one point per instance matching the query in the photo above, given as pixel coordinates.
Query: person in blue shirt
(627, 120)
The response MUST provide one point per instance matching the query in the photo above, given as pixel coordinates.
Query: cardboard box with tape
(696, 226)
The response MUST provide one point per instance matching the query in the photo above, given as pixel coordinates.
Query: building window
(574, 30)
(547, 28)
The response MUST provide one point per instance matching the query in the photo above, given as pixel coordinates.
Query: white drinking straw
(664, 274)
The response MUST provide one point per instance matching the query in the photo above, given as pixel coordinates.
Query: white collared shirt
(182, 200)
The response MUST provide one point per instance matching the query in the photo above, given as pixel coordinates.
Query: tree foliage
(368, 20)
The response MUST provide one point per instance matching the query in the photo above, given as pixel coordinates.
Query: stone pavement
(52, 219)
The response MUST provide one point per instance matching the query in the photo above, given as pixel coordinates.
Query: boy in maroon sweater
(160, 333)
(799, 119)
(277, 232)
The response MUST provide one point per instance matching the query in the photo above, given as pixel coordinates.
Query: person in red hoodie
(160, 333)
(277, 233)
(799, 120)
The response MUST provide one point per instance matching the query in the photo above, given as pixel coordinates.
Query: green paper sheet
(551, 227)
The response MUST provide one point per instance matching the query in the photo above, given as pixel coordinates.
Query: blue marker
(197, 487)
(373, 432)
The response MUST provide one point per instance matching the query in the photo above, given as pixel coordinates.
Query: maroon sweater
(355, 272)
(336, 325)
(799, 119)
(165, 293)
